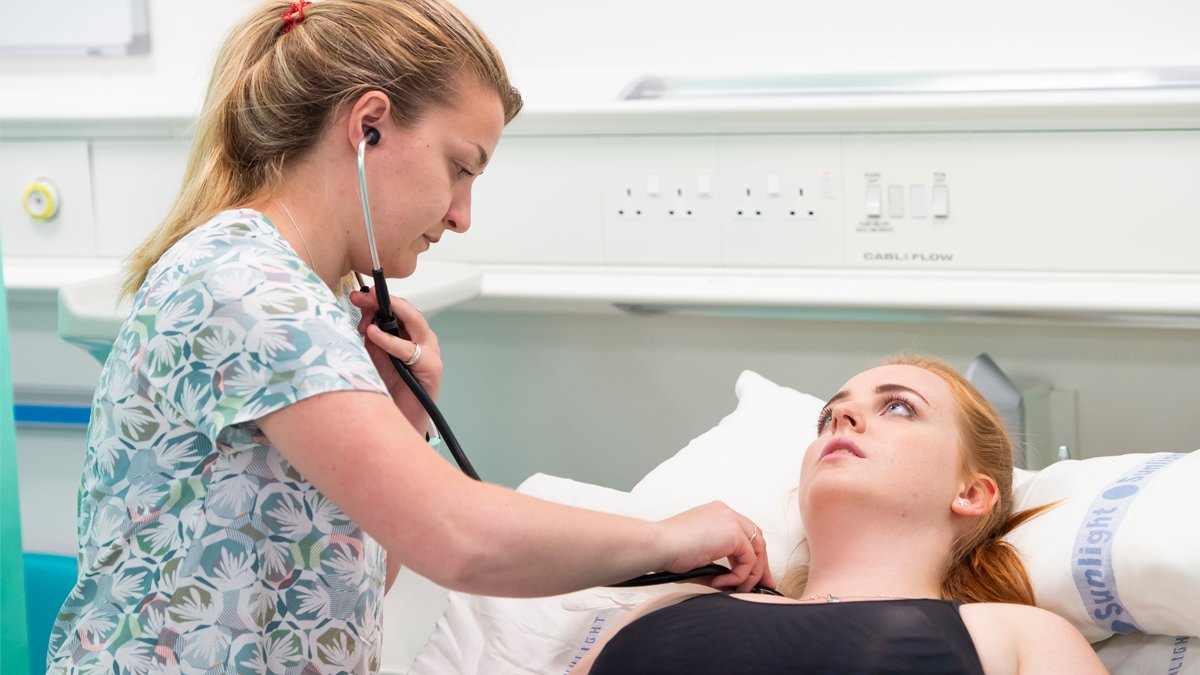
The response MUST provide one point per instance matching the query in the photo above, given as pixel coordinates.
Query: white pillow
(751, 460)
(1140, 653)
(1121, 552)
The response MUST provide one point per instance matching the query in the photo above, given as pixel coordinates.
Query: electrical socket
(749, 208)
(802, 207)
(681, 206)
(629, 208)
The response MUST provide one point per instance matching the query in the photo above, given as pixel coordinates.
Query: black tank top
(718, 634)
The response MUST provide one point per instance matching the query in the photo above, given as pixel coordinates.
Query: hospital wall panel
(50, 463)
(49, 459)
(795, 181)
(550, 195)
(136, 182)
(1052, 201)
(64, 167)
(1088, 201)
(654, 200)
(898, 235)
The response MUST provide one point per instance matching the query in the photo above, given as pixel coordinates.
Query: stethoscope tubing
(435, 415)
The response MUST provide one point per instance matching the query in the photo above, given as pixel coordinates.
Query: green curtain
(14, 641)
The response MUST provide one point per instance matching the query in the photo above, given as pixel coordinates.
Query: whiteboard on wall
(74, 28)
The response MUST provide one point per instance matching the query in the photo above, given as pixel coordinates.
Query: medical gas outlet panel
(1054, 201)
(780, 202)
(1092, 201)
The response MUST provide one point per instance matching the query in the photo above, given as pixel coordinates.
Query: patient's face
(888, 437)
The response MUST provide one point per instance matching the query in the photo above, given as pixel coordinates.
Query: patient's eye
(824, 419)
(899, 406)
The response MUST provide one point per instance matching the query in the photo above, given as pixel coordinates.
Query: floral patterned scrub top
(201, 549)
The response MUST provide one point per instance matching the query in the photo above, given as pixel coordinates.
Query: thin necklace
(311, 263)
(831, 598)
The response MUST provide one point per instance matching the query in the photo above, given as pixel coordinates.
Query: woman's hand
(713, 531)
(414, 330)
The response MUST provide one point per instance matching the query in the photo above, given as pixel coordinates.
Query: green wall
(14, 642)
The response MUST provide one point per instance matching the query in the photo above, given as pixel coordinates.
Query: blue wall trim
(52, 415)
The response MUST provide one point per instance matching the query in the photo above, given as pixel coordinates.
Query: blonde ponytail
(273, 92)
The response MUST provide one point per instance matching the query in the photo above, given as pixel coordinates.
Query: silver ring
(416, 354)
(755, 535)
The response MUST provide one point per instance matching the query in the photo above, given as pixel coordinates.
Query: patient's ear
(976, 496)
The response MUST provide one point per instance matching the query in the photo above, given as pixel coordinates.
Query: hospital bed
(1118, 557)
(629, 260)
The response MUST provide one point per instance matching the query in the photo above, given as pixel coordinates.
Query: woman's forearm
(357, 449)
(511, 544)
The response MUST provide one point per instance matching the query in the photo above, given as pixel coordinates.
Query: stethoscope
(386, 320)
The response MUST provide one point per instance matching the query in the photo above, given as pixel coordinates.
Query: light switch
(652, 185)
(827, 187)
(772, 185)
(896, 201)
(941, 201)
(874, 200)
(918, 201)
(703, 185)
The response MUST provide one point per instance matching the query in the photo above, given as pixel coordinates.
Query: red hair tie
(294, 16)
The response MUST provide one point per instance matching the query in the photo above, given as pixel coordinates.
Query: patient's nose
(844, 417)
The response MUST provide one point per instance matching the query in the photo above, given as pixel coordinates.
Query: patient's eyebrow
(889, 388)
(881, 389)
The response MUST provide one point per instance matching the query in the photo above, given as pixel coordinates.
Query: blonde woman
(256, 473)
(905, 495)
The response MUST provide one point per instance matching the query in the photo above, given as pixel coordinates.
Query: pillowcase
(751, 460)
(1121, 552)
(1139, 653)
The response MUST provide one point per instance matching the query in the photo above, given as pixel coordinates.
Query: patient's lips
(841, 447)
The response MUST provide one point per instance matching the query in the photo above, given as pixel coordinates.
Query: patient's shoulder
(1012, 638)
(1017, 619)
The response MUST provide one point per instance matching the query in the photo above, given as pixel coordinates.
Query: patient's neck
(866, 558)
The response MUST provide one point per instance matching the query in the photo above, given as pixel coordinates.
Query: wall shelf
(1142, 300)
(1172, 301)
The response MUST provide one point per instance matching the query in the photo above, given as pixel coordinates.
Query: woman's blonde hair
(982, 567)
(273, 91)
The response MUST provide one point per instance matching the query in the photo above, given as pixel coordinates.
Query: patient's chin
(837, 487)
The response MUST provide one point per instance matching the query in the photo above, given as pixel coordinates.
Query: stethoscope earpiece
(372, 135)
